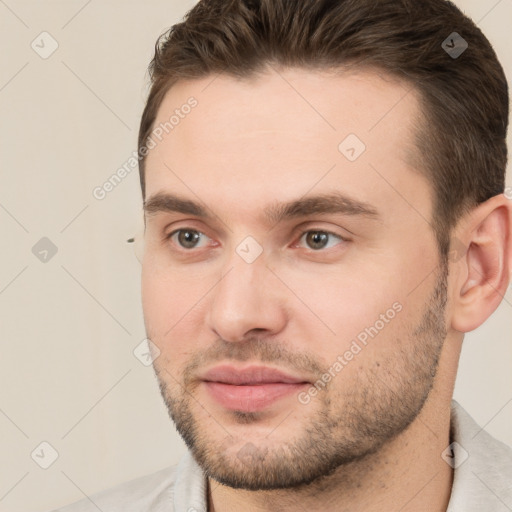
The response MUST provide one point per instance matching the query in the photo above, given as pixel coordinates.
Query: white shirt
(482, 479)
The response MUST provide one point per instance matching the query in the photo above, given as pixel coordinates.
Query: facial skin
(247, 146)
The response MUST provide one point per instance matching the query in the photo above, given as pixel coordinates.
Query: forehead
(284, 132)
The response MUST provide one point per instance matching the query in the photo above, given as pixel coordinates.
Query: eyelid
(186, 228)
(177, 230)
(320, 230)
(183, 225)
(315, 226)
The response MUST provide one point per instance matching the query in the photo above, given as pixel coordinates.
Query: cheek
(166, 320)
(173, 307)
(343, 300)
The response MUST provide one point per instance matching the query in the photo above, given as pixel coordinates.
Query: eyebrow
(329, 203)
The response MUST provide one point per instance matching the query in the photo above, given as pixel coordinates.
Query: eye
(188, 238)
(318, 240)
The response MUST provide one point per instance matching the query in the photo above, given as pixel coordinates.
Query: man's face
(346, 294)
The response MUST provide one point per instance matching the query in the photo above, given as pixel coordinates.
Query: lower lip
(251, 398)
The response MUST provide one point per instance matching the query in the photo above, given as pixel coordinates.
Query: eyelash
(323, 231)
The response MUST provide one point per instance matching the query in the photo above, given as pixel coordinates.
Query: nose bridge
(243, 298)
(246, 268)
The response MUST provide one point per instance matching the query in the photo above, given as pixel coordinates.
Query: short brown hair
(462, 138)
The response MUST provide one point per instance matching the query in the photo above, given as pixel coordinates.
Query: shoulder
(482, 467)
(182, 486)
(150, 493)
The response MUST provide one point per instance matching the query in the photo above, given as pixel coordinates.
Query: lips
(252, 375)
(250, 389)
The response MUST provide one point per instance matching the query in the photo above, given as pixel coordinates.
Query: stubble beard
(377, 406)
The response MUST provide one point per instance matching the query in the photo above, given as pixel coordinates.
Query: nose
(246, 302)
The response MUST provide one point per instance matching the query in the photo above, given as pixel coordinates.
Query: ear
(483, 249)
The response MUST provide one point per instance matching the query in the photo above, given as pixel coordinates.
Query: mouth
(250, 389)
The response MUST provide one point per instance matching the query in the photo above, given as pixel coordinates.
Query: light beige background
(69, 326)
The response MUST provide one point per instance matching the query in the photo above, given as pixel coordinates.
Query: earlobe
(484, 267)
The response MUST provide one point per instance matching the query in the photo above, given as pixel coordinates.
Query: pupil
(188, 238)
(318, 239)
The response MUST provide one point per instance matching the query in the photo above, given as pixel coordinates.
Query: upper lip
(249, 375)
